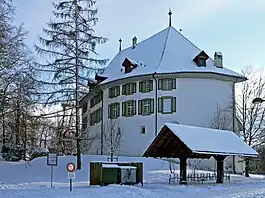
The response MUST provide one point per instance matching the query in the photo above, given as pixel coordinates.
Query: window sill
(167, 112)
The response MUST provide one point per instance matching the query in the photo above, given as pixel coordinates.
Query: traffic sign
(52, 159)
(71, 175)
(70, 167)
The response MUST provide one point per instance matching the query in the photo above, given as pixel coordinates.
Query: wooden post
(220, 168)
(183, 170)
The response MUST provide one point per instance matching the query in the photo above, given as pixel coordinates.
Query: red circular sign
(70, 167)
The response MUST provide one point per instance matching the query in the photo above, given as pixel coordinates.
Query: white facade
(198, 89)
(196, 101)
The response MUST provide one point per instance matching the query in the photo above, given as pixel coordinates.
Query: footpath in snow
(32, 180)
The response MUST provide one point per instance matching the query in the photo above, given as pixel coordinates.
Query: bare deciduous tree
(112, 137)
(251, 116)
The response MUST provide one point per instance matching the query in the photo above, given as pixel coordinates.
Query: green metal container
(109, 174)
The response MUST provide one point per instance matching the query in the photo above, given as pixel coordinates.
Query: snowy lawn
(33, 181)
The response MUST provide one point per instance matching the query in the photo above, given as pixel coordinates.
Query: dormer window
(129, 65)
(201, 59)
(201, 62)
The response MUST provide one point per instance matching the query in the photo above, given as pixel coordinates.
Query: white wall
(196, 104)
(196, 100)
(92, 146)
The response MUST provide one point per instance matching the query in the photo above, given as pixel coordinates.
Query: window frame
(166, 84)
(146, 86)
(96, 100)
(114, 92)
(161, 104)
(126, 105)
(96, 116)
(129, 88)
(114, 110)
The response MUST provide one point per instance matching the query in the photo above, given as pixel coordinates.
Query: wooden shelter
(183, 142)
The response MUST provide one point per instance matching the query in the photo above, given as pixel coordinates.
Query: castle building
(165, 78)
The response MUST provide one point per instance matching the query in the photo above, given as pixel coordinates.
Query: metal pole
(70, 184)
(234, 116)
(78, 152)
(51, 175)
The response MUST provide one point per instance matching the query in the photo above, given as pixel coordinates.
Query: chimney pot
(134, 42)
(218, 59)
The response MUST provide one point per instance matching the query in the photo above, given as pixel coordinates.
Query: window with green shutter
(166, 84)
(129, 89)
(167, 105)
(129, 108)
(114, 92)
(95, 100)
(84, 108)
(84, 123)
(96, 116)
(146, 86)
(146, 106)
(114, 110)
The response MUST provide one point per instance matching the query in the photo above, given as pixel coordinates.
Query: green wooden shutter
(141, 86)
(174, 83)
(173, 104)
(118, 90)
(118, 108)
(140, 107)
(134, 107)
(109, 111)
(110, 93)
(124, 89)
(134, 87)
(99, 114)
(160, 83)
(123, 109)
(151, 85)
(152, 105)
(160, 105)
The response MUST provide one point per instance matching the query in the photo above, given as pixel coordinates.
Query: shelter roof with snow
(177, 140)
(168, 51)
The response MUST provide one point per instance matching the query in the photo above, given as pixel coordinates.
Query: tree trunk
(234, 165)
(247, 168)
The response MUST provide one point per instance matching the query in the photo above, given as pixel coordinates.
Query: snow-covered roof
(211, 141)
(168, 51)
(110, 166)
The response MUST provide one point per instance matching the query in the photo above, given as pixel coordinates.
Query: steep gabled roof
(168, 51)
(175, 140)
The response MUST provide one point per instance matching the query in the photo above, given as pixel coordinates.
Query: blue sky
(234, 27)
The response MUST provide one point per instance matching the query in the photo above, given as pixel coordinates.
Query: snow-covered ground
(32, 180)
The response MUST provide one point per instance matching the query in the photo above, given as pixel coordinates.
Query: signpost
(71, 173)
(52, 160)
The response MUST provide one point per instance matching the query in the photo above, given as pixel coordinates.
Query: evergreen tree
(70, 46)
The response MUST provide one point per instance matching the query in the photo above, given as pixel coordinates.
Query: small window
(201, 59)
(129, 89)
(146, 86)
(166, 84)
(143, 130)
(95, 117)
(84, 108)
(129, 108)
(95, 100)
(167, 105)
(84, 123)
(146, 106)
(114, 91)
(201, 62)
(114, 110)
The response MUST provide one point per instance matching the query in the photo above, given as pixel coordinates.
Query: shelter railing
(198, 177)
